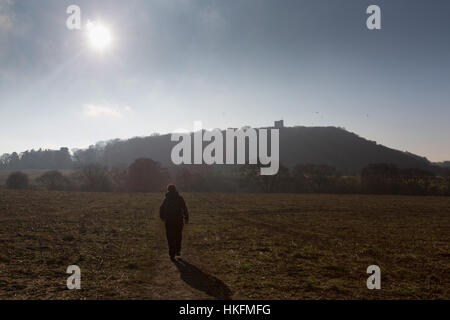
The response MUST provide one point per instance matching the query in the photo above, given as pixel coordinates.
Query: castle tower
(279, 124)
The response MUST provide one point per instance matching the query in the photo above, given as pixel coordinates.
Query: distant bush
(384, 178)
(54, 180)
(319, 179)
(17, 180)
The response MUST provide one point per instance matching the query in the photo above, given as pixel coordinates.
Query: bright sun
(99, 35)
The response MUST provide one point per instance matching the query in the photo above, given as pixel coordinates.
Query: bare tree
(146, 175)
(251, 177)
(94, 177)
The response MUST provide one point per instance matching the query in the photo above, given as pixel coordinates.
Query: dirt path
(182, 279)
(169, 285)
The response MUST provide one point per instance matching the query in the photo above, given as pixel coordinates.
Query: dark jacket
(173, 209)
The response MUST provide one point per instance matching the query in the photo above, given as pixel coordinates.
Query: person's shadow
(201, 281)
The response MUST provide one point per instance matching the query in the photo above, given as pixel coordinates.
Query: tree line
(37, 159)
(147, 175)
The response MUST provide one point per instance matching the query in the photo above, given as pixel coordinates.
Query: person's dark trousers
(174, 235)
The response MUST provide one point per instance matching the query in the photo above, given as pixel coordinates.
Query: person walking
(174, 213)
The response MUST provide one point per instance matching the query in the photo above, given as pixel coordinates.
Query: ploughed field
(240, 246)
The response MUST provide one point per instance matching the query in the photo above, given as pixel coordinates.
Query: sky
(227, 63)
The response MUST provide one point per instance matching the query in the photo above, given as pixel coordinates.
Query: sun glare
(99, 36)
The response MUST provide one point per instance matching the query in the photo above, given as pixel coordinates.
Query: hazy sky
(226, 63)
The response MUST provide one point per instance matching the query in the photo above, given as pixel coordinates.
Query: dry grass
(259, 246)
